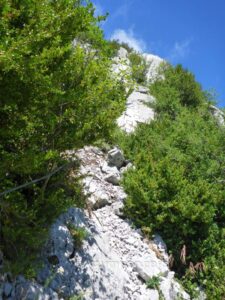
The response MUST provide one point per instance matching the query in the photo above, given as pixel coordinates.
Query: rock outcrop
(137, 111)
(154, 62)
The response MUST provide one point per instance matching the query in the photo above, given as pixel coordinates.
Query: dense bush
(139, 67)
(53, 96)
(177, 188)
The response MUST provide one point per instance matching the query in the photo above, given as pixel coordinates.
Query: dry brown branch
(183, 254)
(171, 261)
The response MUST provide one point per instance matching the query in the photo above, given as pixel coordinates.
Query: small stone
(112, 178)
(116, 158)
(150, 266)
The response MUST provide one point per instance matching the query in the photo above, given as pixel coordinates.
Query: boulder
(149, 265)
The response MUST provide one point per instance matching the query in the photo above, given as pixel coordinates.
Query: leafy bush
(53, 96)
(177, 188)
(139, 67)
(115, 45)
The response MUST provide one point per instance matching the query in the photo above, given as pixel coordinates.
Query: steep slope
(115, 261)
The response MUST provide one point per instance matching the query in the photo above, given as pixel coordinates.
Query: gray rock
(154, 62)
(218, 114)
(137, 111)
(116, 158)
(94, 269)
(149, 266)
(127, 167)
(171, 289)
(113, 175)
(113, 178)
(99, 199)
(33, 291)
(8, 289)
(122, 53)
(142, 89)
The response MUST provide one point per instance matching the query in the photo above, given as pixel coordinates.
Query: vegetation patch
(177, 188)
(79, 234)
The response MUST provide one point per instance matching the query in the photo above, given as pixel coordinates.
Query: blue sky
(190, 32)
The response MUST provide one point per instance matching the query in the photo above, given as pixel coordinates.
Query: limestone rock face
(218, 114)
(101, 175)
(24, 289)
(154, 62)
(137, 110)
(93, 270)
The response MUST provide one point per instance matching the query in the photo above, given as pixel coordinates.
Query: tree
(54, 96)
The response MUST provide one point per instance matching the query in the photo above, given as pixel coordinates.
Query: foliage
(139, 67)
(115, 45)
(153, 282)
(78, 233)
(177, 188)
(54, 96)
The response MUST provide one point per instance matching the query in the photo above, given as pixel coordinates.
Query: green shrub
(177, 188)
(79, 234)
(53, 97)
(153, 282)
(115, 45)
(139, 67)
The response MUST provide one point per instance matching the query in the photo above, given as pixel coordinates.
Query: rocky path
(115, 261)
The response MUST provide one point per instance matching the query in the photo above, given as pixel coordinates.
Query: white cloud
(129, 38)
(180, 49)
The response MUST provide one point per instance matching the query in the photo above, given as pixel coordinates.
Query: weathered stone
(116, 158)
(150, 266)
(33, 291)
(171, 289)
(8, 289)
(122, 53)
(218, 114)
(154, 62)
(137, 111)
(113, 178)
(94, 269)
(127, 167)
(142, 89)
(99, 199)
